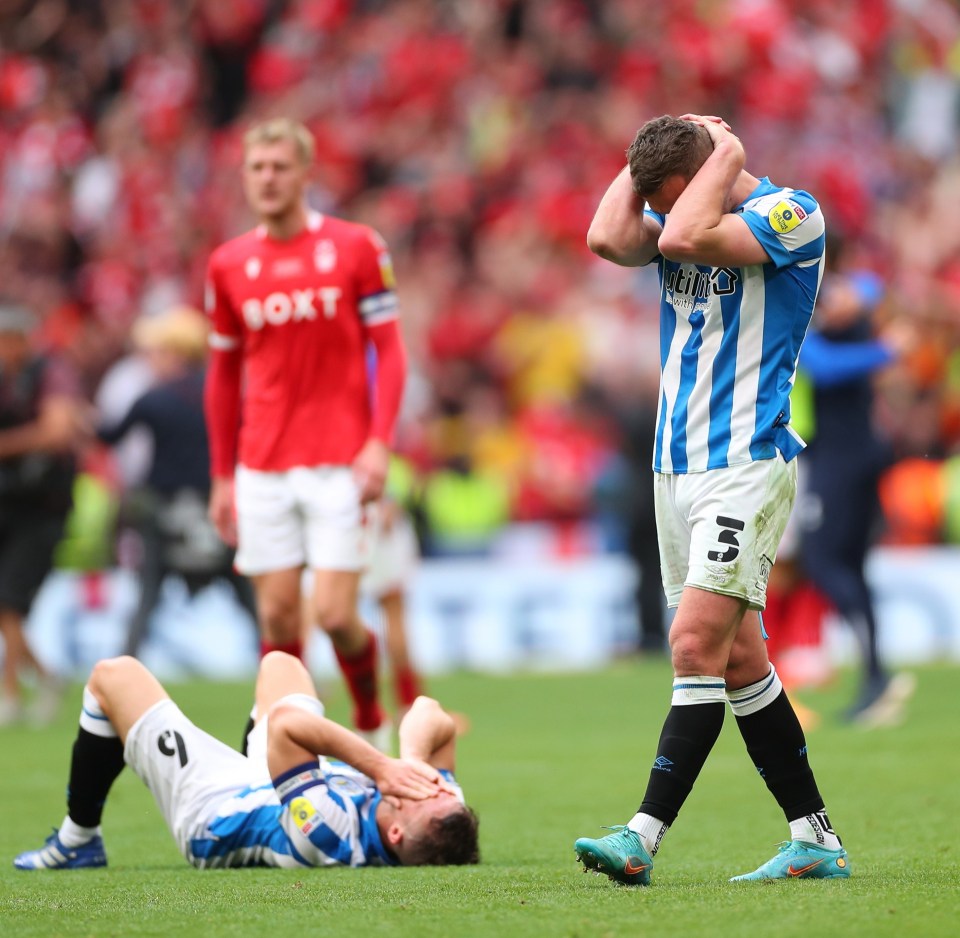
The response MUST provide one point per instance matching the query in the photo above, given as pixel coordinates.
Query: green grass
(548, 758)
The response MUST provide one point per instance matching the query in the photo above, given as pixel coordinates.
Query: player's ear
(395, 834)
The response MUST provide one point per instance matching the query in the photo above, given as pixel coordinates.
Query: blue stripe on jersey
(724, 372)
(689, 356)
(259, 827)
(794, 289)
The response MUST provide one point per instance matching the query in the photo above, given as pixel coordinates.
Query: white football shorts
(190, 773)
(393, 558)
(306, 516)
(719, 530)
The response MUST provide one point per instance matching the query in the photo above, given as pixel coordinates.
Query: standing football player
(740, 261)
(299, 445)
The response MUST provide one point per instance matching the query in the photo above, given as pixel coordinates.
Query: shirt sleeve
(225, 333)
(789, 225)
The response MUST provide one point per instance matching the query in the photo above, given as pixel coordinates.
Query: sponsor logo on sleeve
(785, 216)
(304, 815)
(386, 270)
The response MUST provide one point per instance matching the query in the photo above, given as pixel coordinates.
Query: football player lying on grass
(308, 793)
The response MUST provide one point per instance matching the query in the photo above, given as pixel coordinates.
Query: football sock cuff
(699, 689)
(754, 697)
(93, 719)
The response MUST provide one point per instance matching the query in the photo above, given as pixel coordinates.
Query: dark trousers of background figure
(162, 557)
(645, 553)
(839, 511)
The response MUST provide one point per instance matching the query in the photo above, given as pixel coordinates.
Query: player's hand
(720, 135)
(409, 778)
(222, 510)
(370, 470)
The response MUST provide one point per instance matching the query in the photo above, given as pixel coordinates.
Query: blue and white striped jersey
(323, 816)
(730, 338)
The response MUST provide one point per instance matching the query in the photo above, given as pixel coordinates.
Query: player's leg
(393, 559)
(118, 693)
(278, 611)
(26, 556)
(337, 531)
(701, 636)
(335, 598)
(768, 722)
(778, 748)
(271, 552)
(407, 685)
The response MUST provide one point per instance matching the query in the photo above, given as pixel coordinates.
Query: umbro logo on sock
(663, 764)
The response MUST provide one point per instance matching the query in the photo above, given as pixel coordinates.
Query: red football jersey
(299, 311)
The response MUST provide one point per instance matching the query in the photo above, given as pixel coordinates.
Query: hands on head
(409, 778)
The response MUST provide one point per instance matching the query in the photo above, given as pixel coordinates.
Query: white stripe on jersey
(743, 414)
(698, 407)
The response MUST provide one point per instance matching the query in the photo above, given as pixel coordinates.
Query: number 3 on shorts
(728, 535)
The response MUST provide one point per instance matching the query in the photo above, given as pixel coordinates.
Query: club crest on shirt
(785, 216)
(325, 256)
(344, 785)
(252, 268)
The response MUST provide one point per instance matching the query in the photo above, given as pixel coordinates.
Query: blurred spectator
(838, 510)
(169, 510)
(39, 423)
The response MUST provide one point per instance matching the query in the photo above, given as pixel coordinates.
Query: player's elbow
(679, 245)
(601, 242)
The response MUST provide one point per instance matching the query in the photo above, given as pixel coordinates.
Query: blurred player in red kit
(294, 305)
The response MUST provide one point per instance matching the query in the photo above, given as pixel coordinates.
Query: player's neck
(287, 226)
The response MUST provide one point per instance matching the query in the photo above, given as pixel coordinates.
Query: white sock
(650, 830)
(72, 834)
(815, 829)
(93, 719)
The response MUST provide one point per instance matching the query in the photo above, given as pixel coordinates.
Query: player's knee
(279, 661)
(690, 654)
(279, 619)
(337, 621)
(108, 671)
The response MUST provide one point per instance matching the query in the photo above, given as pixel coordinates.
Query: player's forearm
(296, 736)
(51, 432)
(221, 407)
(702, 204)
(390, 379)
(620, 232)
(425, 729)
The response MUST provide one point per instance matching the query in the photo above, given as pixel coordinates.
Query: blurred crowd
(477, 136)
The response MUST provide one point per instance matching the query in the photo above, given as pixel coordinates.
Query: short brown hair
(282, 128)
(450, 840)
(663, 147)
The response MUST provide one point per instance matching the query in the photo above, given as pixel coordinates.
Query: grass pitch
(548, 758)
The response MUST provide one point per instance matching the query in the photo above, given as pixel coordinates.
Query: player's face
(663, 200)
(415, 816)
(274, 178)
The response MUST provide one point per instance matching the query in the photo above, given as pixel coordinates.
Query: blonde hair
(182, 330)
(278, 129)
